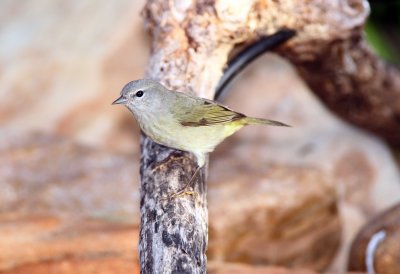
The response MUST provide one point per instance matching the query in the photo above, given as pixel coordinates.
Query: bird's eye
(139, 93)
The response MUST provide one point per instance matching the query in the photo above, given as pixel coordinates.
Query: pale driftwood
(191, 43)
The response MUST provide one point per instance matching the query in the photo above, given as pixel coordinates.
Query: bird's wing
(203, 112)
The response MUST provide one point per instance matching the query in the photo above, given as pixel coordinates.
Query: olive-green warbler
(182, 121)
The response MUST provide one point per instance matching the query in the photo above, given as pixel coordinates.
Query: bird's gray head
(142, 95)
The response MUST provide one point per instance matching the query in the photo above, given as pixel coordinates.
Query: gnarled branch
(191, 43)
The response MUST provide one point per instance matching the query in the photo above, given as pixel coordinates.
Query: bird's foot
(185, 190)
(181, 193)
(178, 194)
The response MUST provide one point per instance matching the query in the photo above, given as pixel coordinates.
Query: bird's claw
(178, 194)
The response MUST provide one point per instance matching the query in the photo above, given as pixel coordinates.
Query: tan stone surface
(63, 62)
(98, 265)
(230, 268)
(283, 216)
(44, 174)
(215, 268)
(47, 244)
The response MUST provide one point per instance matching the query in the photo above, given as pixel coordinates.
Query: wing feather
(202, 112)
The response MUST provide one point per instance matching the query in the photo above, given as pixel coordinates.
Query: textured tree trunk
(191, 43)
(173, 234)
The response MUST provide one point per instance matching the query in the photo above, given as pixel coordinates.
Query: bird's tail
(260, 121)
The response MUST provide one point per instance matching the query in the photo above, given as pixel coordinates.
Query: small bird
(182, 121)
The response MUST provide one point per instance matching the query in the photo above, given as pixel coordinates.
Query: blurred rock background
(69, 161)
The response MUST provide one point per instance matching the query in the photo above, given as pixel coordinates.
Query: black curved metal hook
(247, 55)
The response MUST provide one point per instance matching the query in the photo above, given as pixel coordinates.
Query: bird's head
(142, 96)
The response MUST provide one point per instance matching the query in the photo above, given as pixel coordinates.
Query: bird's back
(191, 123)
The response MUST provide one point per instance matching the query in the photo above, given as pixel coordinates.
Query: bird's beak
(120, 100)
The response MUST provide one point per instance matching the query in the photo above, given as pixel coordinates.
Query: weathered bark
(355, 84)
(191, 44)
(173, 233)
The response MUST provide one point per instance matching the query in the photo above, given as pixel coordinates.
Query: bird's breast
(161, 128)
(167, 131)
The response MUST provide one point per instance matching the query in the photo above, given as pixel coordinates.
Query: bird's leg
(184, 190)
